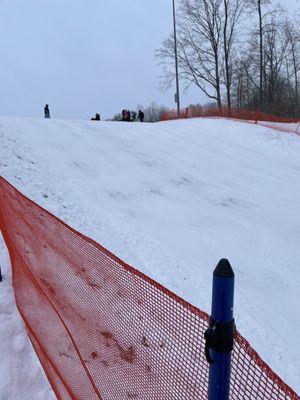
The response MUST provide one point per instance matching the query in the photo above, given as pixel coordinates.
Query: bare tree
(278, 86)
(233, 11)
(251, 66)
(207, 32)
(292, 33)
(275, 54)
(264, 9)
(199, 47)
(258, 5)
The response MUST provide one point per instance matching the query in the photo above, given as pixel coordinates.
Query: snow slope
(283, 127)
(172, 199)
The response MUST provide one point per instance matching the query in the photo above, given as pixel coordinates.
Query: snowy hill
(172, 199)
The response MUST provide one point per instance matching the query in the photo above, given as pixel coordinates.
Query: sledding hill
(172, 199)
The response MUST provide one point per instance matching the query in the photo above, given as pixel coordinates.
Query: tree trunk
(261, 67)
(226, 55)
(218, 88)
(296, 80)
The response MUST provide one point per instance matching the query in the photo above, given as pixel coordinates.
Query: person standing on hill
(141, 116)
(133, 116)
(47, 111)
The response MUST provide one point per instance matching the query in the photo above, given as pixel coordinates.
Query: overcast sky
(83, 56)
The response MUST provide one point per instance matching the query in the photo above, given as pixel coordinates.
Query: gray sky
(83, 56)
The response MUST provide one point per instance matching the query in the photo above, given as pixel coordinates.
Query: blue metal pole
(219, 337)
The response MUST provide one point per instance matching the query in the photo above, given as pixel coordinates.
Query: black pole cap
(224, 269)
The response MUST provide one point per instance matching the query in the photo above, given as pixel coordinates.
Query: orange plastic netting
(102, 329)
(291, 125)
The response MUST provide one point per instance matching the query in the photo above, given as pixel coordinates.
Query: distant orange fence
(102, 329)
(245, 115)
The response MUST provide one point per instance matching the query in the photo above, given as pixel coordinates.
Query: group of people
(132, 116)
(129, 116)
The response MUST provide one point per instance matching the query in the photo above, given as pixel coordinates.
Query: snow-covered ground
(290, 127)
(172, 199)
(21, 377)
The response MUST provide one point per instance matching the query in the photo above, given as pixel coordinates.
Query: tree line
(242, 54)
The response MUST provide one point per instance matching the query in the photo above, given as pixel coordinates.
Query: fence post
(256, 116)
(220, 334)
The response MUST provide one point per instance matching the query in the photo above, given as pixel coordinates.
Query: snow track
(172, 199)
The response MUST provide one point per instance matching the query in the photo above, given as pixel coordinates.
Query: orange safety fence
(104, 330)
(268, 120)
